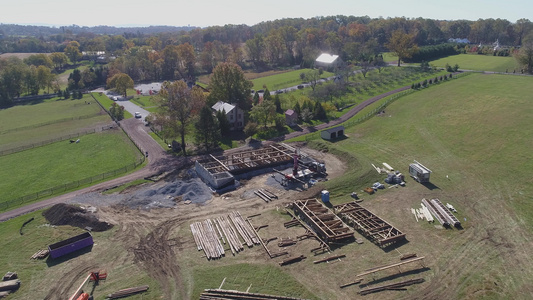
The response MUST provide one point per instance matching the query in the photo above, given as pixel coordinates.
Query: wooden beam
(221, 163)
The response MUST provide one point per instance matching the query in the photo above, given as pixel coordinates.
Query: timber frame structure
(249, 160)
(324, 223)
(376, 229)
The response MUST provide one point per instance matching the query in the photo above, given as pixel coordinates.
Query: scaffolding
(376, 229)
(325, 224)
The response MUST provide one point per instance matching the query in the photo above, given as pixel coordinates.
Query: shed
(70, 245)
(291, 117)
(332, 133)
(419, 172)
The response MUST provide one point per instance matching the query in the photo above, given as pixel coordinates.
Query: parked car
(138, 115)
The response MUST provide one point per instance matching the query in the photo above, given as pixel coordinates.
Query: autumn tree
(177, 104)
(264, 112)
(402, 45)
(72, 51)
(228, 84)
(525, 55)
(45, 77)
(59, 59)
(121, 83)
(39, 59)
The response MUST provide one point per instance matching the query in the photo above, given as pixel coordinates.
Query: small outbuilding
(332, 133)
(291, 117)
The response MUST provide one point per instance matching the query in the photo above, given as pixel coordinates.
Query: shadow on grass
(430, 186)
(50, 262)
(338, 139)
(395, 276)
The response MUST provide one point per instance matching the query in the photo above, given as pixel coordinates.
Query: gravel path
(159, 161)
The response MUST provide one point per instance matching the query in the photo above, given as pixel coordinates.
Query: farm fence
(69, 186)
(58, 139)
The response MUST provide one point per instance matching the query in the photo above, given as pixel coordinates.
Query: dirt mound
(65, 214)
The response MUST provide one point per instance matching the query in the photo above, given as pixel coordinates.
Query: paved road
(159, 161)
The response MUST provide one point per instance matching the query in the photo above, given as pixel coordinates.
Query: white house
(233, 113)
(326, 61)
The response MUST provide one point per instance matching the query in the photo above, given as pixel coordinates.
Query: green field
(283, 80)
(478, 62)
(29, 124)
(263, 279)
(37, 169)
(474, 134)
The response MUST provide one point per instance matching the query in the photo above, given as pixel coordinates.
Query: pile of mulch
(65, 214)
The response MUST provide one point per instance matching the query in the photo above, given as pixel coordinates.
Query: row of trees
(276, 34)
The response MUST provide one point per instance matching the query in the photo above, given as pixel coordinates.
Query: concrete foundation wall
(214, 180)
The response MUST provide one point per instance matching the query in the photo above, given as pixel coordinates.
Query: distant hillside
(43, 31)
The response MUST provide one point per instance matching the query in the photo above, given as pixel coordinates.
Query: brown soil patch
(65, 214)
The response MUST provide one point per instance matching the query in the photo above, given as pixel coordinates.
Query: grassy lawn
(62, 163)
(37, 235)
(29, 124)
(478, 62)
(474, 134)
(283, 80)
(106, 102)
(264, 279)
(146, 102)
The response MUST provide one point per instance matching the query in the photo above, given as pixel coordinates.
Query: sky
(203, 13)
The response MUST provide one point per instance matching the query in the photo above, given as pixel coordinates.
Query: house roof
(334, 129)
(290, 112)
(326, 58)
(220, 105)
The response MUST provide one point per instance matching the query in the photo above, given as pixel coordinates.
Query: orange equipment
(83, 296)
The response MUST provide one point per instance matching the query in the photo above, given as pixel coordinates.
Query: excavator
(95, 277)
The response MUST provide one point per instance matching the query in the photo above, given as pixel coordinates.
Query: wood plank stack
(212, 294)
(10, 285)
(231, 235)
(206, 239)
(246, 232)
(231, 228)
(43, 253)
(128, 292)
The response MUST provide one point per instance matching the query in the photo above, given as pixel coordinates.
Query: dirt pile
(65, 214)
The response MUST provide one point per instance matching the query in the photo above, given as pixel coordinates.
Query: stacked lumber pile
(212, 294)
(10, 285)
(128, 292)
(231, 228)
(265, 195)
(206, 239)
(231, 234)
(43, 253)
(246, 232)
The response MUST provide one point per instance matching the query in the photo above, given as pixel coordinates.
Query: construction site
(267, 208)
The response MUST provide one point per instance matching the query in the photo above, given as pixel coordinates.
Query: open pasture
(478, 62)
(473, 134)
